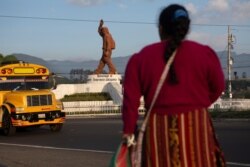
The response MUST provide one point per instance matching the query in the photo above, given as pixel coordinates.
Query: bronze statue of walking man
(107, 47)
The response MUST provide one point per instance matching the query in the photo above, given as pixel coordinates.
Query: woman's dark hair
(174, 22)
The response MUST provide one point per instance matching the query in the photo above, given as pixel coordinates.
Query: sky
(67, 29)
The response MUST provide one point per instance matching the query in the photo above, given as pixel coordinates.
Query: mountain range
(241, 64)
(63, 67)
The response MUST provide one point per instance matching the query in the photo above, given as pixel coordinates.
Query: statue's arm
(100, 26)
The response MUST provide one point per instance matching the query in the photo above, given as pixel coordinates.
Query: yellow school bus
(26, 98)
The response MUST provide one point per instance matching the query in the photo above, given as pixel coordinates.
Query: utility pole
(229, 62)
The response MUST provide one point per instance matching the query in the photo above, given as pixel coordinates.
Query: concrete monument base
(104, 78)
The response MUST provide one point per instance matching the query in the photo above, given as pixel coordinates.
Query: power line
(112, 21)
(224, 25)
(66, 19)
(44, 18)
(237, 67)
(242, 66)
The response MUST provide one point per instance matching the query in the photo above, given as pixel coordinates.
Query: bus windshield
(23, 83)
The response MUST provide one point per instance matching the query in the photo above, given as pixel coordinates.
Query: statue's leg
(108, 61)
(100, 67)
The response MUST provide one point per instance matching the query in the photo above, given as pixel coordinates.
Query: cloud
(87, 3)
(217, 42)
(191, 8)
(221, 12)
(84, 3)
(218, 5)
(240, 11)
(122, 6)
(217, 12)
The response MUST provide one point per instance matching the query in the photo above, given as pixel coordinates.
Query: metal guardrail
(108, 108)
(75, 109)
(93, 110)
(231, 104)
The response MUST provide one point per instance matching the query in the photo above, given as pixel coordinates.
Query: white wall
(115, 91)
(68, 89)
(113, 88)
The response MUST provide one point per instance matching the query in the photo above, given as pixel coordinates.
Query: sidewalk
(16, 156)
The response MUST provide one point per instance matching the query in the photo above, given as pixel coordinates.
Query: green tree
(9, 58)
(247, 95)
(1, 58)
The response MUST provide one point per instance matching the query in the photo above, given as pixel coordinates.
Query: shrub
(87, 97)
(230, 114)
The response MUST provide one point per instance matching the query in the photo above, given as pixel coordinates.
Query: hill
(241, 64)
(33, 59)
(64, 67)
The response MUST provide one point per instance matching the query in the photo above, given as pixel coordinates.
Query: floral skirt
(181, 140)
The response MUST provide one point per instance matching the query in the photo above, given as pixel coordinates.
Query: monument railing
(107, 108)
(231, 104)
(93, 109)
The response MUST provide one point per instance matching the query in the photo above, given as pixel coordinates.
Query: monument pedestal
(104, 78)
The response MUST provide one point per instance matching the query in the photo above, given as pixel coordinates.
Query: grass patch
(230, 114)
(87, 97)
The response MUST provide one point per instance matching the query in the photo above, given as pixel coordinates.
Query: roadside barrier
(93, 108)
(107, 108)
(231, 104)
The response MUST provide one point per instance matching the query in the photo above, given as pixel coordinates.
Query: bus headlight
(19, 109)
(24, 118)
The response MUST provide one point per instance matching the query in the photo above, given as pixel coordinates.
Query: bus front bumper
(32, 119)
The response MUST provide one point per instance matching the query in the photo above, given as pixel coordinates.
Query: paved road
(234, 137)
(89, 142)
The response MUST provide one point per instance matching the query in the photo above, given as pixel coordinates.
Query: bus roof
(23, 69)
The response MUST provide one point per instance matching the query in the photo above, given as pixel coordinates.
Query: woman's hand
(129, 139)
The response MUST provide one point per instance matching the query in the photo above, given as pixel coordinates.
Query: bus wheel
(8, 129)
(56, 127)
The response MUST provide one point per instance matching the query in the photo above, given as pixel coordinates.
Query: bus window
(24, 83)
